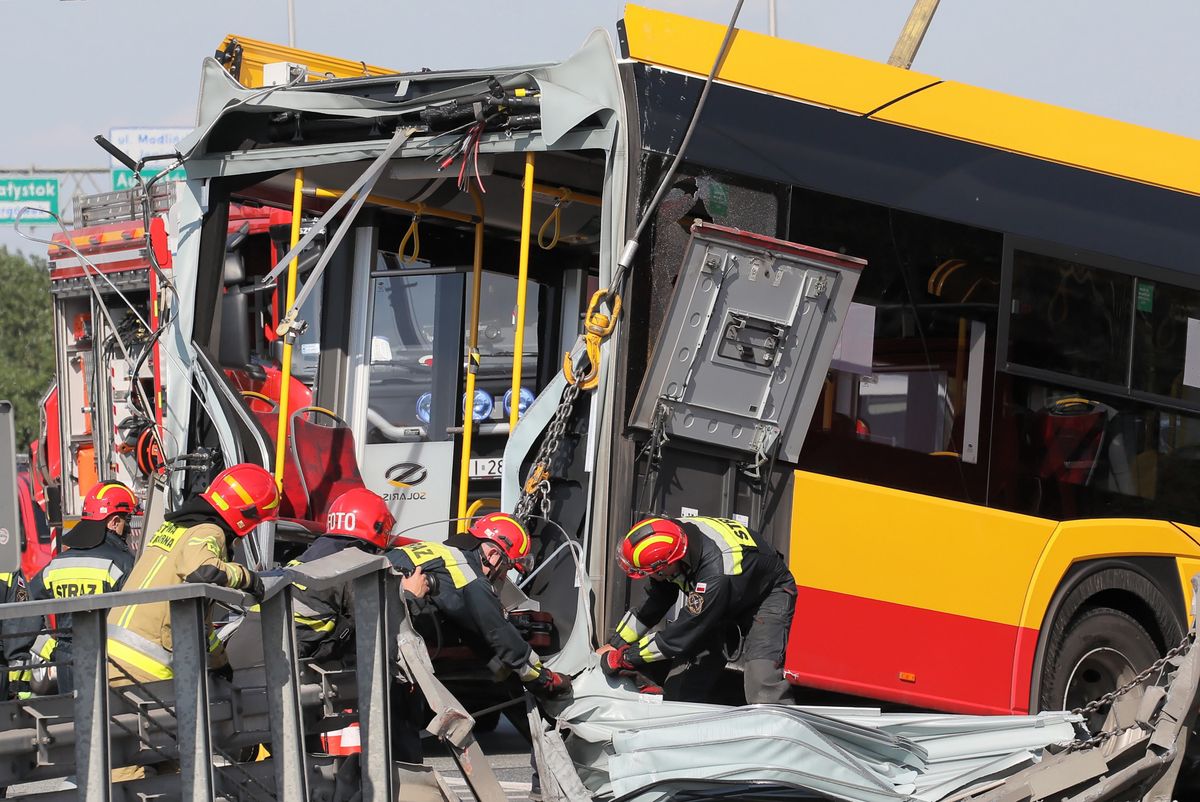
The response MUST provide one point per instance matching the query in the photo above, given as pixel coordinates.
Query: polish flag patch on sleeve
(701, 587)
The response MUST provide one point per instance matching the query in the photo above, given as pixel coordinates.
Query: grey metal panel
(90, 651)
(10, 514)
(356, 392)
(747, 341)
(622, 741)
(374, 684)
(283, 698)
(125, 598)
(190, 664)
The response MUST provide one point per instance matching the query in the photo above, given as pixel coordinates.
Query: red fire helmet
(507, 533)
(361, 513)
(245, 496)
(652, 545)
(109, 498)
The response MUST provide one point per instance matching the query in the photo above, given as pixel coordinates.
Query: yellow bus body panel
(953, 557)
(1077, 541)
(915, 550)
(1052, 133)
(758, 61)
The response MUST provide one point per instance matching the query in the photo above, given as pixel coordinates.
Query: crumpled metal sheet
(622, 741)
(572, 91)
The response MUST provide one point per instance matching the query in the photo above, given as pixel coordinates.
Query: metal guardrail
(205, 722)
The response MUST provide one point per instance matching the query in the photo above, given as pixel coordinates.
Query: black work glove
(256, 588)
(550, 684)
(616, 662)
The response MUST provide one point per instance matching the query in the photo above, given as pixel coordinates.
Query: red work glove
(646, 685)
(550, 684)
(616, 663)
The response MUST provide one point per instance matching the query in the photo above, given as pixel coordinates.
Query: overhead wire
(631, 245)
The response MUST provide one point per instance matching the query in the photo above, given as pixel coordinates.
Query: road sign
(123, 178)
(39, 193)
(140, 143)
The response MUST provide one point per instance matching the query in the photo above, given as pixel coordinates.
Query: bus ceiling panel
(579, 221)
(899, 167)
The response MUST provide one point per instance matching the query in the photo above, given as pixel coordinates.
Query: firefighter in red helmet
(729, 579)
(463, 573)
(96, 559)
(357, 519)
(192, 545)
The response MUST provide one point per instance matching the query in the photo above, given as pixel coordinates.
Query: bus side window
(1087, 455)
(908, 399)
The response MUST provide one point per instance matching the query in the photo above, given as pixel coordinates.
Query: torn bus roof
(296, 125)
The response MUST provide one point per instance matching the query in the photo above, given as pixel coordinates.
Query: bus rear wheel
(1101, 650)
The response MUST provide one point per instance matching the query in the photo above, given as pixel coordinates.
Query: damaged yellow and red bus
(984, 488)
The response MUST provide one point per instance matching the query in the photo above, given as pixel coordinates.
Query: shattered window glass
(713, 197)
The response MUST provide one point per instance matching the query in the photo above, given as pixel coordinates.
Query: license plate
(490, 468)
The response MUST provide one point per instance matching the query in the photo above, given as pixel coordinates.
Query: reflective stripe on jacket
(467, 599)
(325, 618)
(725, 575)
(82, 572)
(140, 635)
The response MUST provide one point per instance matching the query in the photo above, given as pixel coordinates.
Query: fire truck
(102, 417)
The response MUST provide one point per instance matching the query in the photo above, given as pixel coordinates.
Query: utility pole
(914, 31)
(771, 17)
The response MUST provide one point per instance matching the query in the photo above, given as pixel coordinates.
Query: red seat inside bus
(319, 462)
(324, 453)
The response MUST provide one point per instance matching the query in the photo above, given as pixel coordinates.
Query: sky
(75, 68)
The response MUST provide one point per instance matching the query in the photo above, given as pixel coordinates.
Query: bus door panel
(415, 393)
(416, 480)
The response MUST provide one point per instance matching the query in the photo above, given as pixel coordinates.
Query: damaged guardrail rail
(203, 728)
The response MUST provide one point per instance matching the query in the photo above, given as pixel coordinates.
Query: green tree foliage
(26, 338)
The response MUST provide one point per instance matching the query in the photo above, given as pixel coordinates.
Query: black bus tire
(1099, 650)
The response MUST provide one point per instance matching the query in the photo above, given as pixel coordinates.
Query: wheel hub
(1098, 672)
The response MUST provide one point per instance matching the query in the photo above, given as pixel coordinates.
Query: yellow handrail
(522, 281)
(285, 382)
(418, 209)
(479, 503)
(464, 471)
(567, 195)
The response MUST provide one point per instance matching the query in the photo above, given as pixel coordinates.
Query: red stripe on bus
(893, 652)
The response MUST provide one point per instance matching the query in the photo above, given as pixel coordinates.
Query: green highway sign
(141, 143)
(123, 179)
(38, 193)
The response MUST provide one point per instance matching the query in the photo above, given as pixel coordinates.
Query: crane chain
(1107, 699)
(535, 495)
